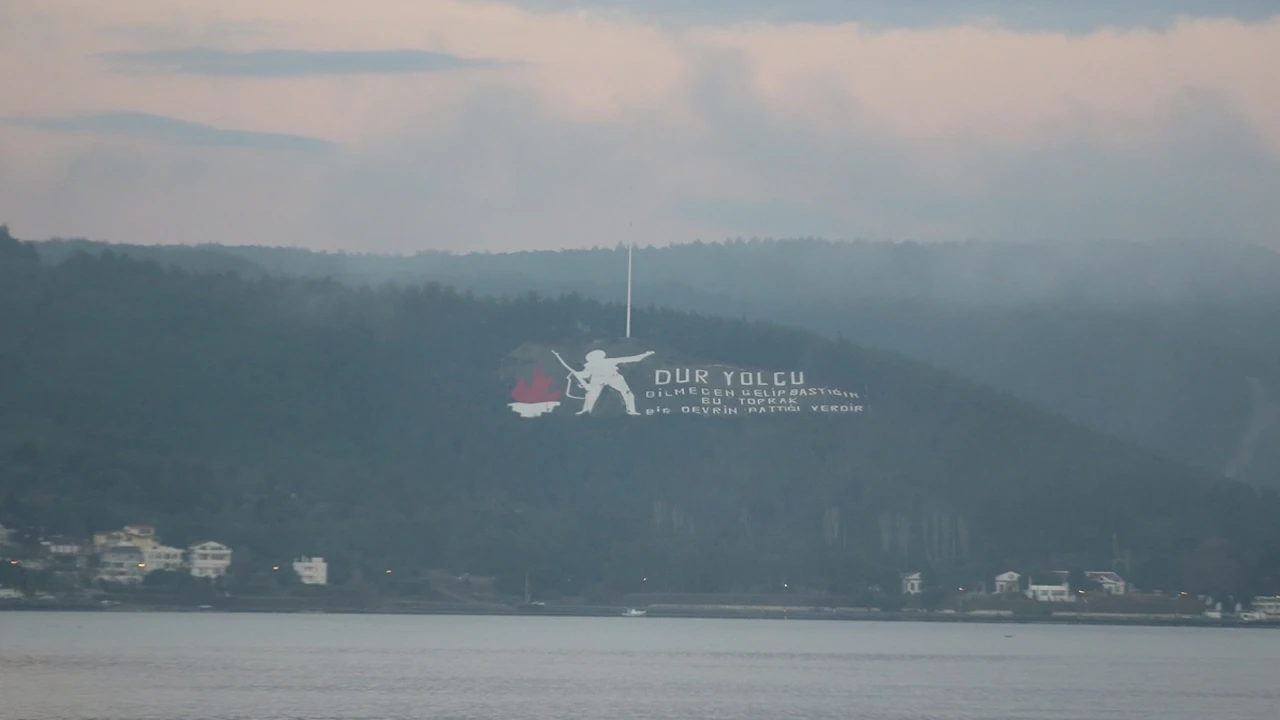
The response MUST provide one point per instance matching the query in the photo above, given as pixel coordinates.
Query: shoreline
(709, 612)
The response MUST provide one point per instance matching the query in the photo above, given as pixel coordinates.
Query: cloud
(761, 218)
(1002, 88)
(1075, 16)
(1208, 176)
(127, 187)
(505, 180)
(278, 63)
(1214, 178)
(173, 130)
(589, 121)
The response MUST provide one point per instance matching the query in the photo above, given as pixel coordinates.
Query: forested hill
(1169, 345)
(375, 427)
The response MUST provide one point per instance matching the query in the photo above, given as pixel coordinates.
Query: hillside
(375, 427)
(1171, 346)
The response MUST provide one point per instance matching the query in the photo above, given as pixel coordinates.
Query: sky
(394, 126)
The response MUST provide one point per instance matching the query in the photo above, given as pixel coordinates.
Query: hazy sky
(399, 125)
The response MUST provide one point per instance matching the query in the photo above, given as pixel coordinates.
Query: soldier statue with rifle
(601, 371)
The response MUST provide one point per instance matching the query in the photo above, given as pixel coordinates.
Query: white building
(312, 570)
(142, 536)
(209, 559)
(67, 553)
(162, 557)
(4, 535)
(122, 564)
(911, 583)
(1112, 584)
(1007, 582)
(1051, 593)
(1263, 607)
(62, 547)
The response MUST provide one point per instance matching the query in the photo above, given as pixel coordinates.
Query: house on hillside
(64, 552)
(312, 570)
(1051, 593)
(1008, 582)
(162, 557)
(209, 559)
(142, 536)
(911, 583)
(1265, 607)
(1112, 584)
(121, 564)
(62, 546)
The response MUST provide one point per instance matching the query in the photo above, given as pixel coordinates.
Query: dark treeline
(368, 424)
(1168, 345)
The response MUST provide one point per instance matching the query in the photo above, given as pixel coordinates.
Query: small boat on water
(632, 612)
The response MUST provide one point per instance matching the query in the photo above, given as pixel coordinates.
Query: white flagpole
(628, 286)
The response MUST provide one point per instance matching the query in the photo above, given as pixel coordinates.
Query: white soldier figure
(601, 371)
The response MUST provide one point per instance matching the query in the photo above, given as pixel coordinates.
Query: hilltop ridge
(1167, 345)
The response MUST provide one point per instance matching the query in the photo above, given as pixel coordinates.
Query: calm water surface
(194, 665)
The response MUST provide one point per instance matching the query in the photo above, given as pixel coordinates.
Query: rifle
(573, 374)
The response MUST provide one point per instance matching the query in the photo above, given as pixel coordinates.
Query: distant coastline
(292, 606)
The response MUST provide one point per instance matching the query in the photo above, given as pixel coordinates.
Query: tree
(1215, 570)
(283, 415)
(1079, 581)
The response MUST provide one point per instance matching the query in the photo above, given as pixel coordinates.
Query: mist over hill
(1171, 345)
(375, 426)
